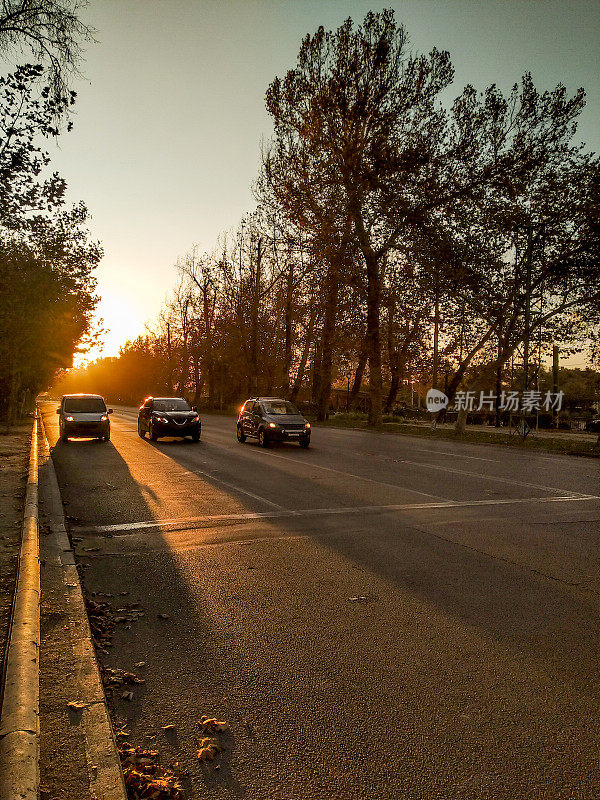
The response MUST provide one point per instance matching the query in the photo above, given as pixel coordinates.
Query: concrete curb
(104, 765)
(20, 721)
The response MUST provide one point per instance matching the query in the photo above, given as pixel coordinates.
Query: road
(375, 617)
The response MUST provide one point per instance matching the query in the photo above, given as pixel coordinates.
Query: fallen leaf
(361, 598)
(77, 705)
(212, 725)
(211, 743)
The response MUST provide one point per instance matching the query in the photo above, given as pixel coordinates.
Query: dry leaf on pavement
(77, 705)
(212, 725)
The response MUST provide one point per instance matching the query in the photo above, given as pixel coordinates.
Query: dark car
(83, 415)
(168, 416)
(271, 419)
(593, 426)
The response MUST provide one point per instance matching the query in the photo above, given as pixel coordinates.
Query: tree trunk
(358, 376)
(373, 339)
(461, 422)
(13, 398)
(304, 357)
(316, 372)
(392, 357)
(253, 376)
(169, 357)
(459, 374)
(327, 341)
(197, 380)
(393, 393)
(207, 368)
(287, 357)
(183, 375)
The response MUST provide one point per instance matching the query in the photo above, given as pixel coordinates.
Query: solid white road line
(313, 512)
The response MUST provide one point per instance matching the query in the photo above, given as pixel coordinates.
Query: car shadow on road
(473, 582)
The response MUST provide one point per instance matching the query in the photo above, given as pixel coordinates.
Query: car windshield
(171, 404)
(280, 407)
(84, 405)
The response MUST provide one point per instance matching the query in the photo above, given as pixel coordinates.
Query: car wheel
(63, 435)
(195, 437)
(304, 443)
(262, 439)
(152, 432)
(141, 432)
(106, 437)
(241, 436)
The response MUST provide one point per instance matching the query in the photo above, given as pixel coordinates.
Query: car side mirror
(110, 411)
(58, 410)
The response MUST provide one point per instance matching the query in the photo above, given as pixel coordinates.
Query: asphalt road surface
(375, 617)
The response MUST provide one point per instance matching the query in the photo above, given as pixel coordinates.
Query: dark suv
(271, 419)
(168, 416)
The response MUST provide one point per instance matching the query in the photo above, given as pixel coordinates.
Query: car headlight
(163, 419)
(103, 418)
(307, 425)
(69, 419)
(272, 425)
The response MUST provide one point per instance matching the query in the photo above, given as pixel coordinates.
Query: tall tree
(46, 258)
(362, 114)
(53, 32)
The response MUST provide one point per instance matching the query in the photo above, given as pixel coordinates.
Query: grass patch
(562, 445)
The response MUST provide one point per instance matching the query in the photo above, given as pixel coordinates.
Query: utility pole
(169, 356)
(527, 308)
(498, 375)
(527, 321)
(436, 329)
(555, 375)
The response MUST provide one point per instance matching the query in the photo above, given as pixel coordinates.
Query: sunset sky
(170, 112)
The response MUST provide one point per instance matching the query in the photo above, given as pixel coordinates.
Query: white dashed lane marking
(185, 522)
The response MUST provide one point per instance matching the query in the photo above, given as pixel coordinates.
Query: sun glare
(122, 319)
